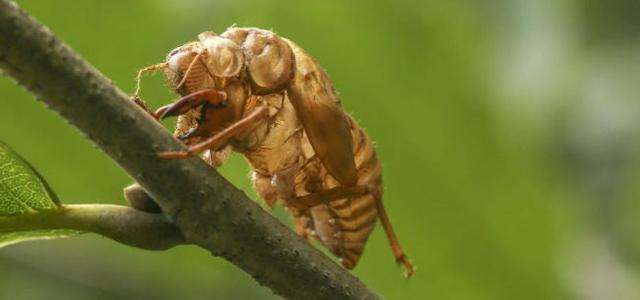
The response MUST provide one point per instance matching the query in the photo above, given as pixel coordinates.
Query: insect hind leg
(398, 252)
(341, 192)
(328, 195)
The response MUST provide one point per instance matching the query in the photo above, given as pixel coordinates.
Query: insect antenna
(151, 68)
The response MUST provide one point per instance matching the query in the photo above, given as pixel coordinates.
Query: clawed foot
(408, 267)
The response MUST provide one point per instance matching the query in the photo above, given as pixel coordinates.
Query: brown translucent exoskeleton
(253, 92)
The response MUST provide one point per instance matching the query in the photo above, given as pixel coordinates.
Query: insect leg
(222, 137)
(341, 192)
(264, 188)
(399, 254)
(213, 97)
(141, 104)
(217, 157)
(301, 226)
(320, 197)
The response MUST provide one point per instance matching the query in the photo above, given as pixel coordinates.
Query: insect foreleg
(221, 138)
(142, 105)
(213, 97)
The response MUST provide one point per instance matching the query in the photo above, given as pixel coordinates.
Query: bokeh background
(508, 131)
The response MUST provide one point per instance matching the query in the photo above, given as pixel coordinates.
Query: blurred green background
(508, 131)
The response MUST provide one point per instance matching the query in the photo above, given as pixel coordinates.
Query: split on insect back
(250, 91)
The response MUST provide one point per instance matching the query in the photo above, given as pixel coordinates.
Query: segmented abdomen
(344, 225)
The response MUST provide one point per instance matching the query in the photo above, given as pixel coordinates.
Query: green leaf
(24, 191)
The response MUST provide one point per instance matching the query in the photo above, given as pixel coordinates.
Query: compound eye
(178, 60)
(173, 52)
(224, 58)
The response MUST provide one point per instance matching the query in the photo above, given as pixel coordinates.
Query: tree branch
(120, 223)
(208, 210)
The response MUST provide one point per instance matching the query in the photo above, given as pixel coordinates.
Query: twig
(123, 224)
(209, 211)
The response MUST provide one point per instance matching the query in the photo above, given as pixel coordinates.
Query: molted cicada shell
(253, 92)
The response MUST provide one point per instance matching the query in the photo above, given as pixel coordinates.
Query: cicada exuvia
(250, 91)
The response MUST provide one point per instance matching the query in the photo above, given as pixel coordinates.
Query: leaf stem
(120, 223)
